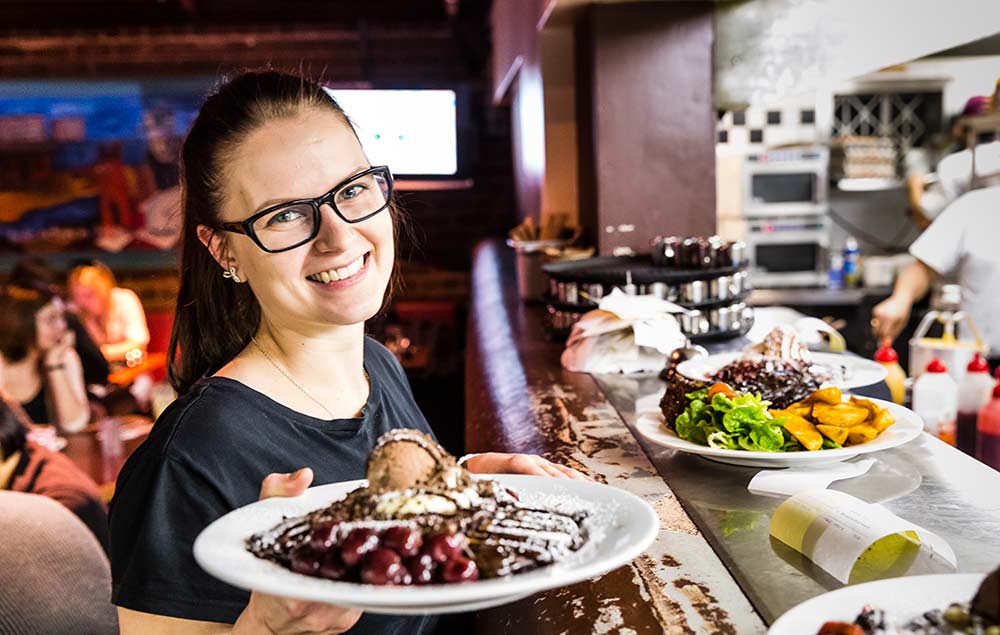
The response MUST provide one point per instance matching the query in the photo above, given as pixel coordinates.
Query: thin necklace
(295, 383)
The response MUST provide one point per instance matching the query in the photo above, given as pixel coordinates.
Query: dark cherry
(405, 541)
(322, 537)
(459, 569)
(422, 568)
(382, 566)
(306, 561)
(444, 547)
(332, 567)
(359, 542)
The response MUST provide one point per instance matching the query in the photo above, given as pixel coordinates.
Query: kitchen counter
(519, 399)
(820, 296)
(925, 481)
(713, 567)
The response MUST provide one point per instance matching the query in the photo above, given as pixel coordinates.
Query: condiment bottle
(973, 394)
(852, 263)
(935, 399)
(988, 432)
(895, 376)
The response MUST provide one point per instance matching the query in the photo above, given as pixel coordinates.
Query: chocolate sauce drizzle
(505, 537)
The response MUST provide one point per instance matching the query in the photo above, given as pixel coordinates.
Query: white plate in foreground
(622, 526)
(901, 598)
(907, 428)
(847, 371)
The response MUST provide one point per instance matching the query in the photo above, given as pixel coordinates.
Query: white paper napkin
(791, 481)
(626, 334)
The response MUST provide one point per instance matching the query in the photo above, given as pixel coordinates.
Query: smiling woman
(288, 249)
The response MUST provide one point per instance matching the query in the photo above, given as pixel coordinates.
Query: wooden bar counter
(519, 399)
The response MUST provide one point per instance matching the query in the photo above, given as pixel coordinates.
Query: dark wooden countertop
(519, 399)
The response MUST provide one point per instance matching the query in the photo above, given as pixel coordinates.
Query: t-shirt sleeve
(153, 530)
(954, 174)
(940, 247)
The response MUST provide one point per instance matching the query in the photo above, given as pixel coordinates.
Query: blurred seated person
(28, 467)
(35, 273)
(39, 368)
(112, 315)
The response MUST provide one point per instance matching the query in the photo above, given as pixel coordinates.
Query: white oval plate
(908, 427)
(847, 371)
(901, 598)
(622, 526)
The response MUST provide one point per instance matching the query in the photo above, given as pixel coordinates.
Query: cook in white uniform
(965, 238)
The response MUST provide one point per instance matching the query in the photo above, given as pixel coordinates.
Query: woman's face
(303, 157)
(88, 298)
(50, 325)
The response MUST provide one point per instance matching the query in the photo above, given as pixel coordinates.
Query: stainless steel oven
(790, 182)
(788, 251)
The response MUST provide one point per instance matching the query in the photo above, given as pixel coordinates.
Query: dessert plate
(908, 427)
(901, 598)
(621, 526)
(846, 371)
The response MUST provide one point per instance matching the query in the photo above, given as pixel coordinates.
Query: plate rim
(817, 358)
(807, 608)
(910, 431)
(337, 592)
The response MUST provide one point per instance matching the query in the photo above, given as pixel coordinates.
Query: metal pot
(694, 291)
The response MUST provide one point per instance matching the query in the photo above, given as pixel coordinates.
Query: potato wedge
(883, 420)
(831, 395)
(868, 405)
(861, 434)
(799, 408)
(804, 431)
(833, 433)
(842, 415)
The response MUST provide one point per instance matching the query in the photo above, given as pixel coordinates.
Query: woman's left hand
(500, 463)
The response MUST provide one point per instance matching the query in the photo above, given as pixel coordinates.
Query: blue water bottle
(852, 263)
(835, 279)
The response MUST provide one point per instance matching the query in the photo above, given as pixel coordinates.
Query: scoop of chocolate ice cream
(405, 459)
(987, 600)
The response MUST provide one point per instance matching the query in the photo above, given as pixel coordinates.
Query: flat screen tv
(419, 133)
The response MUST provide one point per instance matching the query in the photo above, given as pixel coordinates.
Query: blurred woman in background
(35, 273)
(112, 315)
(39, 368)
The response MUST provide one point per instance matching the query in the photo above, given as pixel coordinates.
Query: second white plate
(847, 371)
(908, 426)
(902, 598)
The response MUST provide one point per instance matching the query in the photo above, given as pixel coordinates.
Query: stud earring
(232, 275)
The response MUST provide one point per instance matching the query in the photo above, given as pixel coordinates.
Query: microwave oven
(787, 251)
(789, 182)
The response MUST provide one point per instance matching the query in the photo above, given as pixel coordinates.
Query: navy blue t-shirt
(207, 455)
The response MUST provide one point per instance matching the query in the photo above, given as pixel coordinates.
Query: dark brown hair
(215, 317)
(18, 306)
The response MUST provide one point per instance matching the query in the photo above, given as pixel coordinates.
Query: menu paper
(844, 535)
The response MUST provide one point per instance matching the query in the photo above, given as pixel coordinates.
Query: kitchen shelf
(868, 185)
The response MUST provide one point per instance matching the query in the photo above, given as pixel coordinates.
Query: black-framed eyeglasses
(294, 223)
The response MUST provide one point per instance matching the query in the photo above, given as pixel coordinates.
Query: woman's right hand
(57, 353)
(278, 615)
(890, 316)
